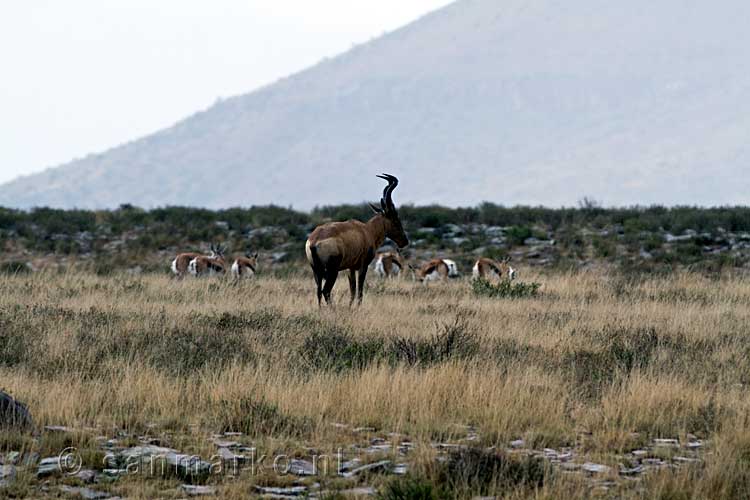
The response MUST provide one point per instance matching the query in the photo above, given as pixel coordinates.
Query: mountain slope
(511, 101)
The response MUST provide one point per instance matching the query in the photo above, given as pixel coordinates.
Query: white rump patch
(433, 276)
(475, 270)
(235, 270)
(193, 267)
(379, 268)
(174, 267)
(452, 268)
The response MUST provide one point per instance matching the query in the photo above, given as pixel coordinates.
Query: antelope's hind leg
(318, 283)
(332, 272)
(352, 286)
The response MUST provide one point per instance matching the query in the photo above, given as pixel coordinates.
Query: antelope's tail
(317, 264)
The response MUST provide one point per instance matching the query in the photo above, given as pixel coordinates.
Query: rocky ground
(359, 469)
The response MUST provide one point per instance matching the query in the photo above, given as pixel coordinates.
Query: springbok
(245, 267)
(351, 245)
(436, 270)
(493, 269)
(389, 264)
(209, 265)
(181, 263)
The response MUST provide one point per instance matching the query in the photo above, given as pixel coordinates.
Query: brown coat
(181, 262)
(245, 267)
(203, 265)
(351, 245)
(436, 269)
(492, 269)
(389, 264)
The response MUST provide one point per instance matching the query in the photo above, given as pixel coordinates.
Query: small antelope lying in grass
(436, 270)
(389, 264)
(490, 269)
(245, 267)
(181, 263)
(209, 265)
(351, 245)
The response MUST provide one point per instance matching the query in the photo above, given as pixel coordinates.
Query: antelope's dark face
(394, 230)
(393, 227)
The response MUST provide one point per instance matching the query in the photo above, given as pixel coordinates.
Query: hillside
(509, 101)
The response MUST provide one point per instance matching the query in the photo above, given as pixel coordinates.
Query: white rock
(198, 491)
(362, 491)
(291, 491)
(226, 444)
(373, 467)
(85, 493)
(7, 475)
(302, 468)
(670, 443)
(595, 468)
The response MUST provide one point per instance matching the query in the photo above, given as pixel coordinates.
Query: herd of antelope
(349, 246)
(196, 264)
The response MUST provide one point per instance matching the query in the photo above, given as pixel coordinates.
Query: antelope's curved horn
(387, 201)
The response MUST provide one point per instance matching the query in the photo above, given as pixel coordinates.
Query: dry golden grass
(597, 362)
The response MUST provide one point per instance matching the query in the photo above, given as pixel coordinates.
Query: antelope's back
(348, 241)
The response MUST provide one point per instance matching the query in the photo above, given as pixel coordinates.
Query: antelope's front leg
(352, 286)
(361, 284)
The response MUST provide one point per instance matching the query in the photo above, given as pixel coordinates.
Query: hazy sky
(81, 76)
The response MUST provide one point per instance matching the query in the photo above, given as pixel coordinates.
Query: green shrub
(477, 471)
(257, 417)
(410, 488)
(504, 289)
(518, 234)
(330, 348)
(14, 267)
(454, 340)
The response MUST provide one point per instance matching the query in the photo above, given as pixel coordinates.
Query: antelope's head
(217, 252)
(418, 273)
(393, 228)
(252, 257)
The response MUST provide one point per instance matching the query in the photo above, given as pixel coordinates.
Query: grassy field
(591, 369)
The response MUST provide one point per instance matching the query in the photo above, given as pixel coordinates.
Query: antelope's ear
(376, 209)
(255, 256)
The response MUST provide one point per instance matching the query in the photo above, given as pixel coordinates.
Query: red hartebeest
(493, 269)
(351, 245)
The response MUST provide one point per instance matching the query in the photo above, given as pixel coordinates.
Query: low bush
(477, 471)
(504, 289)
(453, 340)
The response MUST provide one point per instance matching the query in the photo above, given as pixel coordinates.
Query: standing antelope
(436, 269)
(351, 245)
(181, 263)
(389, 264)
(245, 267)
(493, 269)
(209, 265)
